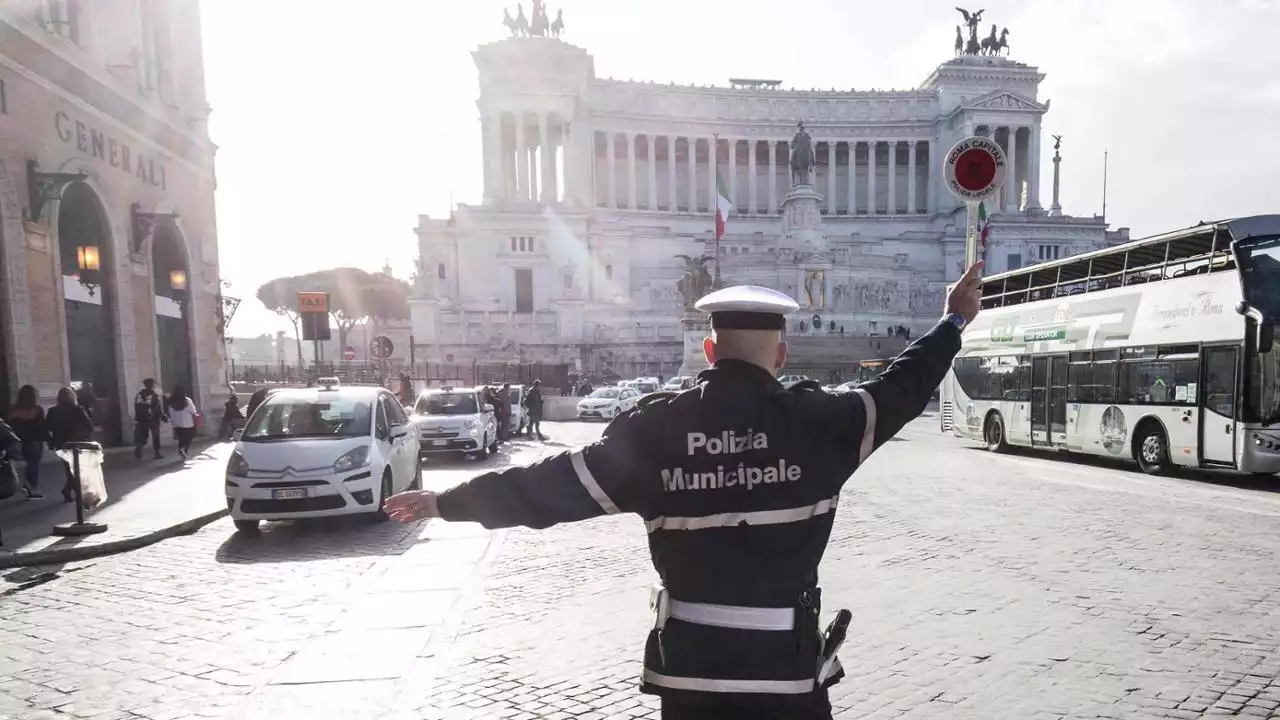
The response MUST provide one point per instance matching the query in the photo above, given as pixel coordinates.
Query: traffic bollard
(79, 528)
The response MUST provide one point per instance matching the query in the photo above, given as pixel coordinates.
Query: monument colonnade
(530, 160)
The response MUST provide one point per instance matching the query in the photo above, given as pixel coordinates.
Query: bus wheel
(994, 434)
(1152, 450)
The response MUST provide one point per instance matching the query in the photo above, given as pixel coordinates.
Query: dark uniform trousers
(737, 481)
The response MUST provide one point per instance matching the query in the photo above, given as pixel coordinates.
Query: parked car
(323, 451)
(519, 413)
(679, 382)
(453, 420)
(646, 385)
(607, 402)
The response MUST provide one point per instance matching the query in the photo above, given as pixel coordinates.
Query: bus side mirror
(1266, 337)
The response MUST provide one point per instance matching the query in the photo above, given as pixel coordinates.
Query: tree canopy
(354, 295)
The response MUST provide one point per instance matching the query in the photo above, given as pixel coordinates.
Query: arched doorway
(171, 279)
(88, 283)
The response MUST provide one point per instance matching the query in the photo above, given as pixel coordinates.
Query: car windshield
(285, 417)
(610, 393)
(444, 403)
(513, 396)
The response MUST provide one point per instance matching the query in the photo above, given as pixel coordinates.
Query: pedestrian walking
(504, 412)
(68, 421)
(258, 397)
(737, 480)
(533, 406)
(27, 419)
(232, 418)
(148, 413)
(184, 418)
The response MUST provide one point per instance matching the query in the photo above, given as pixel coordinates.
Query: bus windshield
(1263, 400)
(1260, 271)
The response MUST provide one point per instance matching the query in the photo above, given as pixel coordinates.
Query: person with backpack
(148, 413)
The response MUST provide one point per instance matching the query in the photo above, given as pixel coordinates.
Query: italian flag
(723, 206)
(984, 225)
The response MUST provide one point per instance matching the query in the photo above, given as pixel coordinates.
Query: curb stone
(88, 552)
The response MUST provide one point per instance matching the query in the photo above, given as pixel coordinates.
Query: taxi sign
(313, 302)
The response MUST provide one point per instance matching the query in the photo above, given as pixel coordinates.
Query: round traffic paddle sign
(974, 169)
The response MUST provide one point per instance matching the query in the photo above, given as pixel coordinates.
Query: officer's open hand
(965, 299)
(412, 505)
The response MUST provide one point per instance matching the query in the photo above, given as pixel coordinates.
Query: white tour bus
(1160, 350)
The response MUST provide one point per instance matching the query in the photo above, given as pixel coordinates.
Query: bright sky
(339, 122)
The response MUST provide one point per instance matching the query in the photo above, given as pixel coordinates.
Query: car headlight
(468, 423)
(237, 466)
(356, 457)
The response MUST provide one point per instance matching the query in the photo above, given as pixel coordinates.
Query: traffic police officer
(737, 480)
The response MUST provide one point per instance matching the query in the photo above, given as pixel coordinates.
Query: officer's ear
(709, 349)
(782, 357)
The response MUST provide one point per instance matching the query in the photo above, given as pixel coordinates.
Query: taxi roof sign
(313, 302)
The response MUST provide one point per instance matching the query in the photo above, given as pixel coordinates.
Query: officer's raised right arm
(605, 477)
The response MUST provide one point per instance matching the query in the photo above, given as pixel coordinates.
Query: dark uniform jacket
(737, 481)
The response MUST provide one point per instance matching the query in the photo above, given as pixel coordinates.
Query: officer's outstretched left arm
(605, 477)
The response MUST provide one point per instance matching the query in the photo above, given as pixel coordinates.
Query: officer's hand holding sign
(737, 481)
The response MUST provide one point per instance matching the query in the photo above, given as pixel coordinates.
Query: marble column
(1012, 192)
(713, 160)
(522, 160)
(631, 171)
(871, 177)
(568, 193)
(912, 172)
(852, 190)
(752, 187)
(932, 183)
(891, 203)
(651, 202)
(672, 195)
(773, 178)
(548, 160)
(1033, 169)
(831, 177)
(693, 173)
(534, 182)
(732, 182)
(611, 148)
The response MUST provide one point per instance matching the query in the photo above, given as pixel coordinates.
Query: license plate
(289, 494)
(439, 443)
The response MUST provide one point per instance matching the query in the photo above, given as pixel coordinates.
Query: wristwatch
(957, 319)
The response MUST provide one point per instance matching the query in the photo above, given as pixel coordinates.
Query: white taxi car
(321, 451)
(451, 420)
(607, 402)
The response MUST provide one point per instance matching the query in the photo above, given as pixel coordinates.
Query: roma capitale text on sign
(966, 191)
(313, 302)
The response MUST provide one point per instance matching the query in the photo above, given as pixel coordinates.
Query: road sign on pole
(974, 171)
(381, 347)
(313, 311)
(349, 354)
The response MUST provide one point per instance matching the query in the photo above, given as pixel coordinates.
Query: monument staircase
(828, 356)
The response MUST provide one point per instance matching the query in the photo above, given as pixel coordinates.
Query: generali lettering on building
(89, 140)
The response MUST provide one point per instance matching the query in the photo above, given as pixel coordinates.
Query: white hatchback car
(607, 402)
(322, 451)
(450, 420)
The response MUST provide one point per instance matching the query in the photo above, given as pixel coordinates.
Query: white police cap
(747, 307)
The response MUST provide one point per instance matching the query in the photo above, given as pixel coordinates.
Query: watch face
(957, 320)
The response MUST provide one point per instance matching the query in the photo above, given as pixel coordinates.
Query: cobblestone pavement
(982, 586)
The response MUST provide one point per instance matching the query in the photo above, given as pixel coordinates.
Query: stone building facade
(594, 188)
(108, 244)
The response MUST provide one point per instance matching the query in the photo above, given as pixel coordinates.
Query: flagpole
(714, 157)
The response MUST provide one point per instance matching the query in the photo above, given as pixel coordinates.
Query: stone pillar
(713, 157)
(752, 187)
(871, 177)
(672, 195)
(891, 203)
(773, 177)
(611, 161)
(693, 173)
(853, 177)
(1012, 191)
(932, 182)
(1033, 169)
(534, 182)
(522, 160)
(565, 158)
(489, 156)
(548, 182)
(831, 177)
(732, 184)
(631, 171)
(652, 203)
(912, 172)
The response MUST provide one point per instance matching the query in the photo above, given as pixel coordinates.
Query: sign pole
(970, 234)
